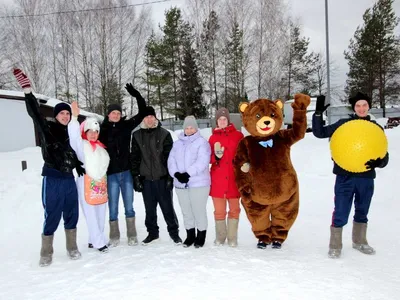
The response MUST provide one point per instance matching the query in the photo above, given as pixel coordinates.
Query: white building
(17, 130)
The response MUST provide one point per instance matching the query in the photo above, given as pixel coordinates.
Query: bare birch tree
(27, 43)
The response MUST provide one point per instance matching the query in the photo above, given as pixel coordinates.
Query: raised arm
(74, 132)
(32, 105)
(321, 131)
(318, 128)
(141, 103)
(298, 131)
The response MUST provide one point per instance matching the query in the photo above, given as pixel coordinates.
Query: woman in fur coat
(92, 187)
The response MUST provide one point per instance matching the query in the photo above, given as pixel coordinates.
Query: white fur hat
(91, 124)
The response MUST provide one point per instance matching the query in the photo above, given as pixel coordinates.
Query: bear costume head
(262, 117)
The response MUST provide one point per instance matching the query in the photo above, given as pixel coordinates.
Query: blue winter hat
(60, 107)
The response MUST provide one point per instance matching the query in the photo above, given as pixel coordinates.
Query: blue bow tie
(266, 144)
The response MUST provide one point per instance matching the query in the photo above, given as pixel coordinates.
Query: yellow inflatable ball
(356, 142)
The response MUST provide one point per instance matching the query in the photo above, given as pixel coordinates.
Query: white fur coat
(96, 162)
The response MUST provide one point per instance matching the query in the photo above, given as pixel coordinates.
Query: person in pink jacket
(223, 142)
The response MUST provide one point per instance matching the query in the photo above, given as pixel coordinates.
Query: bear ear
(279, 103)
(243, 106)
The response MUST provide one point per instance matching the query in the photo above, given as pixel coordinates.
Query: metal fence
(173, 125)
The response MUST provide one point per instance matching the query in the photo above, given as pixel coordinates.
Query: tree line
(214, 53)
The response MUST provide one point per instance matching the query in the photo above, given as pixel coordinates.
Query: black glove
(132, 91)
(373, 163)
(169, 183)
(79, 168)
(182, 177)
(138, 184)
(320, 107)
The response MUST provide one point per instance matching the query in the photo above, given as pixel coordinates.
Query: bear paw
(301, 102)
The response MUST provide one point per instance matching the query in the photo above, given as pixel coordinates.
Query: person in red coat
(223, 142)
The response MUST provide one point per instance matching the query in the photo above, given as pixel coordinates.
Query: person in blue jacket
(349, 187)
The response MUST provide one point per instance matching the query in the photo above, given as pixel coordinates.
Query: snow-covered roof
(47, 101)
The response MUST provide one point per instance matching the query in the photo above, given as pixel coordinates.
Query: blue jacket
(321, 131)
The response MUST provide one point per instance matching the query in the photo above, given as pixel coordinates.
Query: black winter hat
(60, 107)
(149, 111)
(359, 96)
(114, 106)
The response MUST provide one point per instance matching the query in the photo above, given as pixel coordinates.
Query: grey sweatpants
(193, 202)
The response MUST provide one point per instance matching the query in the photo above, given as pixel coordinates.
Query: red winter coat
(222, 175)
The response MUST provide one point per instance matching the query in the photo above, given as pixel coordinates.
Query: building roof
(44, 100)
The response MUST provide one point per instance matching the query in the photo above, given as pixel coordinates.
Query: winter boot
(220, 232)
(103, 249)
(232, 232)
(335, 243)
(200, 238)
(150, 239)
(46, 253)
(261, 244)
(72, 248)
(114, 233)
(190, 237)
(175, 237)
(360, 238)
(276, 245)
(131, 231)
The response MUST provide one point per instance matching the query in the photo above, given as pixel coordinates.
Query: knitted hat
(91, 124)
(149, 111)
(190, 121)
(60, 107)
(359, 96)
(113, 107)
(222, 112)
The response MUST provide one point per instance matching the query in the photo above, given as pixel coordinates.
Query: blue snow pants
(348, 188)
(59, 198)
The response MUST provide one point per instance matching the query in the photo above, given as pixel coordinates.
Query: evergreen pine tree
(192, 103)
(374, 55)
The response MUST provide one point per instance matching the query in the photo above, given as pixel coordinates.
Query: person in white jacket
(92, 187)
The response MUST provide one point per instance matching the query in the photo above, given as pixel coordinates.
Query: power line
(83, 10)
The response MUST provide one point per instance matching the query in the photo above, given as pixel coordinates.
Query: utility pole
(328, 80)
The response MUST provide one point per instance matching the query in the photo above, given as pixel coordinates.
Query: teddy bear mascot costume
(264, 172)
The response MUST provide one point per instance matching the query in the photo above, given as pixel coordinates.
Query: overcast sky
(344, 17)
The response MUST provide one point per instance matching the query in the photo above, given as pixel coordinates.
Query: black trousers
(155, 192)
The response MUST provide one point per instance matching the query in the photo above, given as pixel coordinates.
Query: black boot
(176, 239)
(276, 245)
(262, 245)
(200, 238)
(190, 238)
(149, 239)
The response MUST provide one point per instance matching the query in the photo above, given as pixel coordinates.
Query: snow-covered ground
(300, 270)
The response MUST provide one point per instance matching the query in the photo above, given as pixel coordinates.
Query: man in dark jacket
(151, 146)
(59, 193)
(115, 134)
(359, 186)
